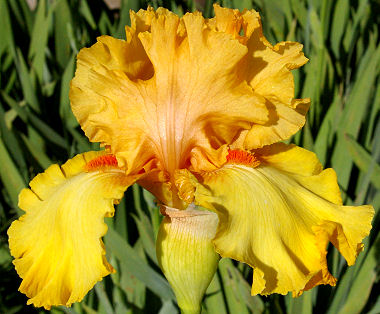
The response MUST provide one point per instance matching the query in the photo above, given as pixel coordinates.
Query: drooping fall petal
(57, 243)
(278, 216)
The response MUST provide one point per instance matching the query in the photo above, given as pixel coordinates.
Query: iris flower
(195, 111)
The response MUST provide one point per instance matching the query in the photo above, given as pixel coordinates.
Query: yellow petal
(194, 100)
(57, 244)
(267, 70)
(278, 217)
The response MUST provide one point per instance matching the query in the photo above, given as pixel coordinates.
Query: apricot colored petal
(284, 121)
(268, 70)
(57, 243)
(195, 98)
(279, 219)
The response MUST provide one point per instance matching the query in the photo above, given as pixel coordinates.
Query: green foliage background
(37, 61)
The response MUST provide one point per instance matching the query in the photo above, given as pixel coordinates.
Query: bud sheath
(186, 254)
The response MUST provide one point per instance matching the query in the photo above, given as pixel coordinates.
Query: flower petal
(57, 244)
(267, 69)
(279, 217)
(194, 100)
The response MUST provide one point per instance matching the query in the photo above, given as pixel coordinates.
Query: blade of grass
(168, 308)
(361, 286)
(10, 176)
(28, 117)
(376, 308)
(144, 226)
(134, 288)
(254, 303)
(235, 301)
(340, 16)
(102, 295)
(65, 111)
(43, 160)
(126, 5)
(327, 130)
(363, 160)
(86, 13)
(26, 82)
(127, 255)
(6, 31)
(352, 117)
(214, 299)
(39, 37)
(302, 304)
(12, 144)
(146, 235)
(62, 17)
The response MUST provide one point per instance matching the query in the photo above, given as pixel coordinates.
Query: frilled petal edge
(279, 216)
(57, 243)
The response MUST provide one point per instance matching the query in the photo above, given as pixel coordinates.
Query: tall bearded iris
(193, 110)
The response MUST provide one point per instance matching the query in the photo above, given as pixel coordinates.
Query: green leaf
(137, 266)
(133, 287)
(362, 285)
(39, 37)
(12, 144)
(302, 304)
(300, 11)
(234, 298)
(353, 115)
(327, 130)
(26, 82)
(43, 160)
(29, 117)
(86, 13)
(214, 299)
(340, 16)
(243, 4)
(102, 295)
(363, 160)
(65, 111)
(10, 176)
(6, 33)
(126, 6)
(376, 308)
(168, 308)
(62, 17)
(144, 226)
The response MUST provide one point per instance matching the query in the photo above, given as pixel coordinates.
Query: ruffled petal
(57, 243)
(267, 69)
(195, 99)
(279, 216)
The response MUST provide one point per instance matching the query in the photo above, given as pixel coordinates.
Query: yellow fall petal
(278, 217)
(57, 243)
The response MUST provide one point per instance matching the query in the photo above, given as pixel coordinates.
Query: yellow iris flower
(193, 110)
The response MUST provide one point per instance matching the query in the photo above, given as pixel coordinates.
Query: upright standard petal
(267, 69)
(278, 210)
(180, 102)
(57, 243)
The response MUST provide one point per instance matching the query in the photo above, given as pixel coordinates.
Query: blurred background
(38, 44)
